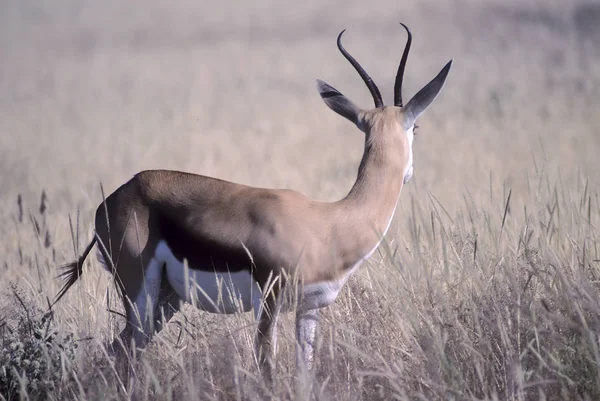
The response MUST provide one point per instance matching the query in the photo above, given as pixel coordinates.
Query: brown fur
(220, 221)
(273, 233)
(214, 224)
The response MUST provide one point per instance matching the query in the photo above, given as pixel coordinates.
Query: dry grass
(487, 286)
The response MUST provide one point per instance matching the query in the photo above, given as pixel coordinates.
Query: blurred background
(92, 92)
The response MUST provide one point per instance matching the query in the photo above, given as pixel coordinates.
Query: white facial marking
(210, 291)
(408, 170)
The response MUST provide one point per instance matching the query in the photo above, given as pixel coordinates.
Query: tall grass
(499, 301)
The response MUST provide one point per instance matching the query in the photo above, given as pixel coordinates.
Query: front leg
(266, 336)
(306, 334)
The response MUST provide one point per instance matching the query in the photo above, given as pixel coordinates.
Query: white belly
(210, 291)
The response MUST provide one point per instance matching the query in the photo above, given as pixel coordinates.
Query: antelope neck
(370, 205)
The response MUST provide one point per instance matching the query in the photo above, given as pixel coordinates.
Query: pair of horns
(367, 79)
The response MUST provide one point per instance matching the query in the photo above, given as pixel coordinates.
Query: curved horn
(363, 74)
(401, 67)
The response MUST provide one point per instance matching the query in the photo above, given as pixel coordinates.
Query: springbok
(168, 236)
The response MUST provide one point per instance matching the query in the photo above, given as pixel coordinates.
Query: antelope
(170, 236)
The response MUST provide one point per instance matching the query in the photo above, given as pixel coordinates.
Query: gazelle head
(397, 120)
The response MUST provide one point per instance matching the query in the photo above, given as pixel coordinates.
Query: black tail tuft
(72, 271)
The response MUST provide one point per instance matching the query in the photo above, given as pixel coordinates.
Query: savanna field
(487, 286)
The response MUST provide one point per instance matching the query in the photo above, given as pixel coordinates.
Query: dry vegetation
(487, 286)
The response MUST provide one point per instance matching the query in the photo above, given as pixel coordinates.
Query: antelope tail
(72, 271)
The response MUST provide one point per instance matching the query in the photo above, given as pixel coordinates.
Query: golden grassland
(487, 284)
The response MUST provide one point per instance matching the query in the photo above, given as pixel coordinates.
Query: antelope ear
(421, 101)
(338, 102)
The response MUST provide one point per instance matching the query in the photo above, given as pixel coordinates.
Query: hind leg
(169, 304)
(146, 312)
(140, 299)
(151, 309)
